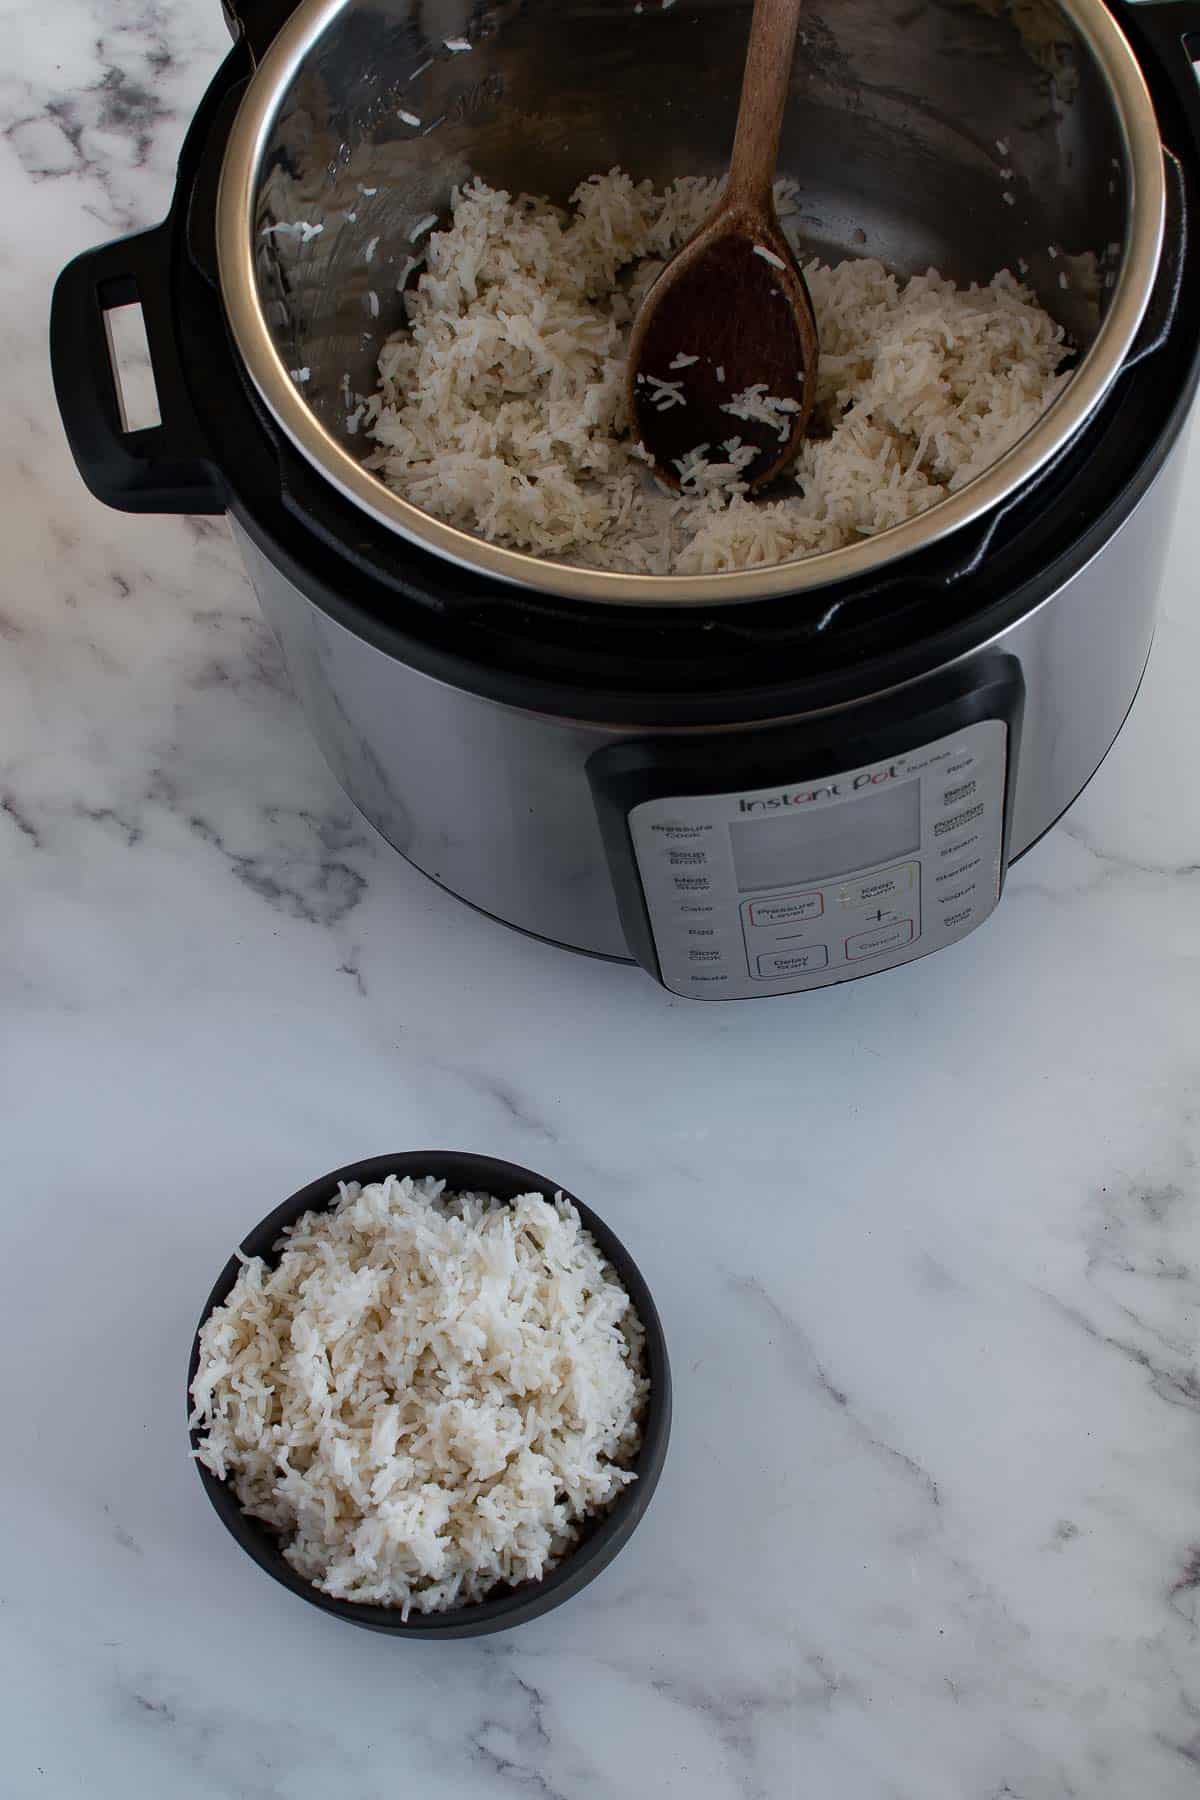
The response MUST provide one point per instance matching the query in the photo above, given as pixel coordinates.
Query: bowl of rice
(430, 1395)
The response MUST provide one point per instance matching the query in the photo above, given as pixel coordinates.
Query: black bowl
(603, 1537)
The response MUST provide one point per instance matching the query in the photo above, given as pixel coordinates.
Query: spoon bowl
(723, 354)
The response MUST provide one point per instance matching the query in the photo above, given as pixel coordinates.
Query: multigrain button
(877, 943)
(794, 962)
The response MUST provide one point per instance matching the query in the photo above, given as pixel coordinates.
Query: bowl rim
(461, 1170)
(1063, 420)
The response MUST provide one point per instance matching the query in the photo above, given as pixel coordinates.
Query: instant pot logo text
(831, 790)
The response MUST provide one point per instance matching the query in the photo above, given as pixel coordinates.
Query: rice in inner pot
(429, 1394)
(501, 404)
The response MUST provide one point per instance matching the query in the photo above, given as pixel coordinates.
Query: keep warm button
(878, 943)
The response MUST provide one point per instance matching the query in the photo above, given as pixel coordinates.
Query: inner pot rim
(1066, 416)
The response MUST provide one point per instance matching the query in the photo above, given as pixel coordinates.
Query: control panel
(797, 886)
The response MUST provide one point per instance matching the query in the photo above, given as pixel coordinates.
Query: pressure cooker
(754, 783)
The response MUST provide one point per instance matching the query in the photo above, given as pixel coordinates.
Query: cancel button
(878, 943)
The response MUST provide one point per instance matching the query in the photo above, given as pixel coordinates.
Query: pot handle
(256, 22)
(1160, 312)
(164, 468)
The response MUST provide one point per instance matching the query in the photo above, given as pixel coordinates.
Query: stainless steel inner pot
(969, 134)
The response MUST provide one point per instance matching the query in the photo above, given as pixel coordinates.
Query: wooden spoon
(731, 312)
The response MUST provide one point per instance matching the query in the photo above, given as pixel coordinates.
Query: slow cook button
(784, 911)
(706, 956)
(877, 943)
(794, 962)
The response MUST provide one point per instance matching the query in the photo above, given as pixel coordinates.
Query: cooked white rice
(429, 1393)
(501, 405)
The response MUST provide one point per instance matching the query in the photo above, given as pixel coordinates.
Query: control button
(958, 848)
(787, 909)
(944, 826)
(954, 796)
(694, 908)
(706, 956)
(958, 918)
(869, 890)
(692, 884)
(684, 858)
(960, 759)
(877, 943)
(962, 868)
(958, 893)
(794, 962)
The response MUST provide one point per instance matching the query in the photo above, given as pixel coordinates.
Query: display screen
(813, 845)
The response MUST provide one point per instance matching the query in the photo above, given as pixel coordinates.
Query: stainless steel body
(965, 134)
(494, 802)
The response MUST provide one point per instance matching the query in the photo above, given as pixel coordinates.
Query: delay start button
(793, 962)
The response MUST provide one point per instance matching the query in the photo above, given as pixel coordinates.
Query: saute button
(794, 962)
(876, 943)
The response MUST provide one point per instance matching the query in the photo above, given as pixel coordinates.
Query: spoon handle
(765, 85)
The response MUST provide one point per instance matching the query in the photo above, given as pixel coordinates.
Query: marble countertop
(926, 1247)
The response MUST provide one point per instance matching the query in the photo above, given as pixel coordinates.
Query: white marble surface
(926, 1247)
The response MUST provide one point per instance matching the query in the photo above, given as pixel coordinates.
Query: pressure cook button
(878, 943)
(794, 962)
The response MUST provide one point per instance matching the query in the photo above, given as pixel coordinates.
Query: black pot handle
(256, 22)
(165, 468)
(1163, 304)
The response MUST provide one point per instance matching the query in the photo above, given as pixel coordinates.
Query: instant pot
(755, 783)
